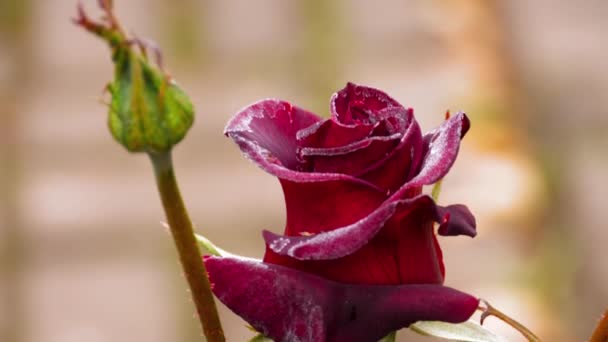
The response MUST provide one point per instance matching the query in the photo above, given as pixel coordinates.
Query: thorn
(447, 114)
(489, 310)
(485, 312)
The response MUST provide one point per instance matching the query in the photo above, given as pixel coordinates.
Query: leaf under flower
(468, 331)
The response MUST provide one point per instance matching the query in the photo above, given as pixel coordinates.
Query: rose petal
(396, 168)
(360, 104)
(310, 207)
(351, 159)
(346, 240)
(314, 207)
(331, 133)
(349, 148)
(441, 149)
(457, 220)
(272, 125)
(287, 305)
(419, 257)
(351, 152)
(332, 244)
(266, 134)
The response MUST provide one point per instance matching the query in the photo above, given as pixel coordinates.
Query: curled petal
(360, 104)
(382, 152)
(288, 305)
(346, 149)
(272, 126)
(441, 149)
(332, 133)
(266, 134)
(340, 242)
(351, 159)
(398, 166)
(457, 220)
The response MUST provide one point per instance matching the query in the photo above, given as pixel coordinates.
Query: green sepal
(210, 247)
(436, 190)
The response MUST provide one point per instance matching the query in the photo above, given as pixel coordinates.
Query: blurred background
(84, 256)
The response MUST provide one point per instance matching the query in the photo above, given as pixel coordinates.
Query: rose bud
(148, 111)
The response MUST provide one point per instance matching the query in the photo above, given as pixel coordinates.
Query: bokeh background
(84, 256)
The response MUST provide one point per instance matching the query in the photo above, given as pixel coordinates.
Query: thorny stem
(489, 310)
(600, 334)
(187, 247)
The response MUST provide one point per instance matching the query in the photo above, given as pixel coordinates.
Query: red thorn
(447, 114)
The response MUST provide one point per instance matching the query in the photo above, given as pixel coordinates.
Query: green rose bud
(148, 111)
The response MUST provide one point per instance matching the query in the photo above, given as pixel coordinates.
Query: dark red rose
(355, 214)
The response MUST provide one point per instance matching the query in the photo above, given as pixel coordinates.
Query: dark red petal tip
(457, 220)
(440, 151)
(289, 305)
(360, 104)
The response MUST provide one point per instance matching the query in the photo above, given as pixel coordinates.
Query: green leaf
(210, 247)
(260, 338)
(468, 331)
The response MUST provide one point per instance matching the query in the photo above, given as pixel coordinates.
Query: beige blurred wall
(85, 257)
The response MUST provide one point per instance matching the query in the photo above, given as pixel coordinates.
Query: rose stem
(600, 334)
(187, 248)
(489, 310)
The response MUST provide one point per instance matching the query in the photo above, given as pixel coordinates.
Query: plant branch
(187, 247)
(489, 310)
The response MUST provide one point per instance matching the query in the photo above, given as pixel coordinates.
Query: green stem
(187, 248)
(601, 331)
(436, 190)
